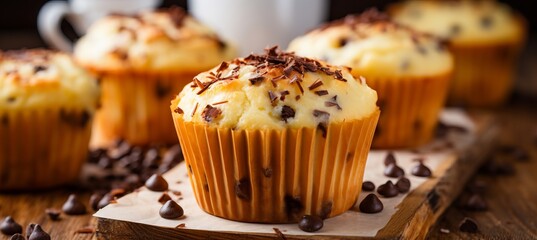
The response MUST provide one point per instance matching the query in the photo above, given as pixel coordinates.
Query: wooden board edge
(415, 215)
(113, 229)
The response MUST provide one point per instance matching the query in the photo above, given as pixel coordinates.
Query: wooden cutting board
(453, 159)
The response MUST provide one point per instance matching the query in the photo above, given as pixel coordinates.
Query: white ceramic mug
(255, 24)
(81, 14)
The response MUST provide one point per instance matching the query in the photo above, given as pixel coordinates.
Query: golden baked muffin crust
(373, 44)
(38, 78)
(155, 41)
(275, 90)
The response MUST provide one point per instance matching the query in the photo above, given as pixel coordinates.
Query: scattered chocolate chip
(371, 204)
(326, 209)
(388, 190)
(468, 225)
(368, 186)
(156, 183)
(9, 226)
(171, 210)
(389, 159)
(394, 171)
(476, 203)
(164, 198)
(421, 170)
(310, 223)
(287, 112)
(152, 158)
(105, 162)
(17, 236)
(293, 206)
(403, 185)
(38, 234)
(243, 189)
(105, 200)
(53, 214)
(73, 206)
(30, 229)
(94, 200)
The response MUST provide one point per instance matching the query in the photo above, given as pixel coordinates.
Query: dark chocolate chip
(105, 200)
(368, 186)
(388, 190)
(94, 200)
(73, 206)
(94, 155)
(389, 159)
(30, 229)
(403, 185)
(17, 236)
(156, 183)
(173, 154)
(326, 209)
(164, 198)
(267, 172)
(421, 170)
(394, 171)
(38, 234)
(468, 225)
(53, 214)
(293, 206)
(171, 210)
(105, 162)
(486, 22)
(476, 203)
(161, 90)
(371, 204)
(152, 158)
(9, 226)
(287, 112)
(243, 189)
(310, 223)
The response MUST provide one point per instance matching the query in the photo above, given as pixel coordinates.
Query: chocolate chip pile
(33, 231)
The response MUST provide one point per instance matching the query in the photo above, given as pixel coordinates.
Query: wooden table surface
(512, 199)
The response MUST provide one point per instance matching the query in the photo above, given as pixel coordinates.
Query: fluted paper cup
(410, 107)
(276, 176)
(42, 148)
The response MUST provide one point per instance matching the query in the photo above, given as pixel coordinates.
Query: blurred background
(18, 29)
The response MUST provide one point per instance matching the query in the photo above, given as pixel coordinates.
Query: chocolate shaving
(279, 234)
(321, 92)
(194, 111)
(332, 103)
(321, 115)
(221, 102)
(206, 86)
(339, 76)
(283, 94)
(257, 79)
(210, 113)
(272, 96)
(198, 83)
(315, 84)
(297, 97)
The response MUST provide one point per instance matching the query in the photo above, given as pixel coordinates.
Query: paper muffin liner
(135, 108)
(410, 107)
(42, 148)
(276, 176)
(484, 76)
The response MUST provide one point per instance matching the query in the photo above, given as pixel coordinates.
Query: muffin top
(167, 40)
(275, 90)
(461, 21)
(375, 46)
(41, 78)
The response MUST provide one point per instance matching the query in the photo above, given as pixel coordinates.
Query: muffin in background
(269, 138)
(486, 38)
(47, 104)
(409, 70)
(143, 60)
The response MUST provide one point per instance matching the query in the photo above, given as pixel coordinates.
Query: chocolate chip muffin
(409, 70)
(47, 104)
(143, 60)
(269, 138)
(486, 38)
